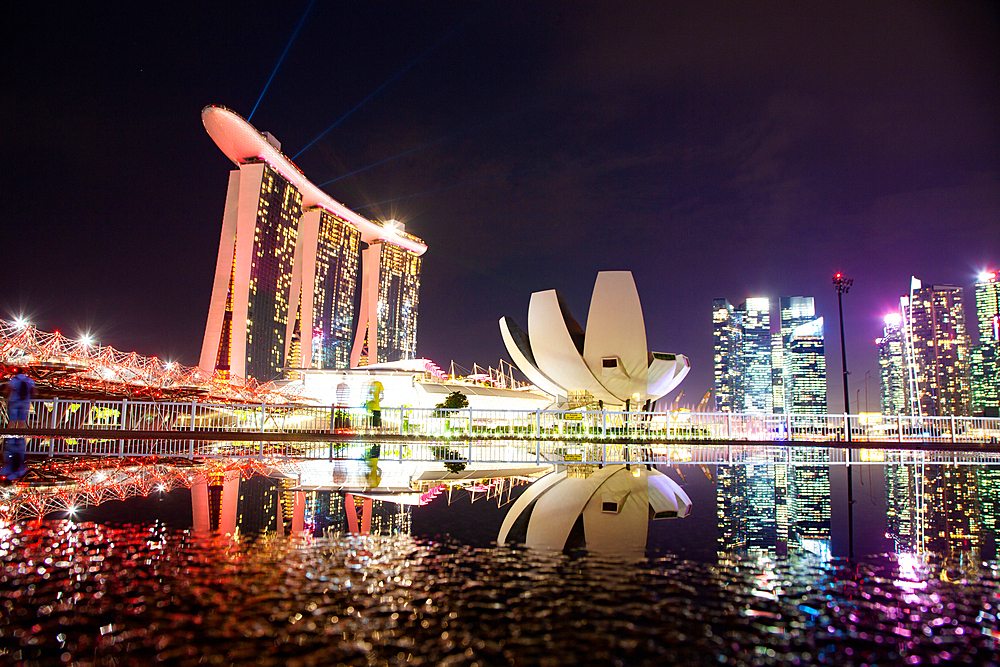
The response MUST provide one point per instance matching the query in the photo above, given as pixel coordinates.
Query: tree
(453, 401)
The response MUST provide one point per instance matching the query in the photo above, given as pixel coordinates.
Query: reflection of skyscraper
(892, 367)
(934, 324)
(757, 355)
(774, 507)
(727, 332)
(985, 357)
(326, 512)
(900, 506)
(935, 507)
(950, 508)
(810, 493)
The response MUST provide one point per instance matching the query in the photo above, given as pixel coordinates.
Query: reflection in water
(138, 595)
(605, 510)
(942, 509)
(775, 507)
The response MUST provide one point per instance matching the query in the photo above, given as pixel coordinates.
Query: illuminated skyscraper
(985, 357)
(329, 254)
(937, 350)
(390, 307)
(892, 366)
(803, 357)
(248, 319)
(286, 279)
(805, 364)
(727, 333)
(757, 392)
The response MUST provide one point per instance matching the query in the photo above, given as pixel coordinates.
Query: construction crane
(704, 401)
(673, 406)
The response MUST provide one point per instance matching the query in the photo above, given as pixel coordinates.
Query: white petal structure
(607, 512)
(609, 360)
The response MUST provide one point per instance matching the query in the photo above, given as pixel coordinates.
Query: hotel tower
(291, 263)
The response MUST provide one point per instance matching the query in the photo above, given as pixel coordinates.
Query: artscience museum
(608, 363)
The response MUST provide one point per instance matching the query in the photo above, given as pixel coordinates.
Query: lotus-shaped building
(605, 510)
(609, 361)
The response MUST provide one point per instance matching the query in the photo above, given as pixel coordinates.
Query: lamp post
(842, 285)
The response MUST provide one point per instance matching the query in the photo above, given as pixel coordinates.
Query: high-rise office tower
(757, 391)
(803, 356)
(892, 366)
(805, 364)
(937, 350)
(727, 333)
(287, 273)
(985, 357)
(391, 306)
(901, 497)
(777, 374)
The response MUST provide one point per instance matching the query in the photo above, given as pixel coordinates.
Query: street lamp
(842, 285)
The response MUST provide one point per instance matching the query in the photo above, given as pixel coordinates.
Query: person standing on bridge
(374, 403)
(18, 391)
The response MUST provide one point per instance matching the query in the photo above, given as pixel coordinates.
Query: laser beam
(390, 81)
(285, 52)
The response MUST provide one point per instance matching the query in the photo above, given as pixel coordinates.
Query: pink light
(893, 319)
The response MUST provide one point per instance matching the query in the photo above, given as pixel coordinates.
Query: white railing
(615, 426)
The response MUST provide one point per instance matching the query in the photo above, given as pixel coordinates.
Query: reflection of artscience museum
(608, 363)
(606, 510)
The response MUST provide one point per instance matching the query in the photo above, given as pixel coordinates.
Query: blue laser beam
(395, 76)
(284, 53)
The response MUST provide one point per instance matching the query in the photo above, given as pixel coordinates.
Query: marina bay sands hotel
(291, 263)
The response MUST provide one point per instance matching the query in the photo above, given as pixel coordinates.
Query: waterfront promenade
(58, 427)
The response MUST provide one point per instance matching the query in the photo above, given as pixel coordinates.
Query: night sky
(715, 150)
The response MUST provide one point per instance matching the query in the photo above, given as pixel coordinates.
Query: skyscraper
(391, 306)
(286, 278)
(985, 357)
(805, 364)
(892, 366)
(937, 350)
(727, 332)
(756, 315)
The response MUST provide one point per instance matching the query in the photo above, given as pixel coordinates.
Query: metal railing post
(899, 422)
(538, 423)
(729, 426)
(333, 417)
(538, 457)
(953, 429)
(469, 430)
(788, 426)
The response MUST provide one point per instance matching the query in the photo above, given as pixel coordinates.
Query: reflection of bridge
(193, 429)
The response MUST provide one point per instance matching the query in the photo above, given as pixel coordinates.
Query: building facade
(985, 357)
(937, 351)
(760, 371)
(727, 333)
(290, 258)
(892, 366)
(757, 392)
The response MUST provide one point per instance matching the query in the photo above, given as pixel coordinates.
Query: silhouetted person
(18, 391)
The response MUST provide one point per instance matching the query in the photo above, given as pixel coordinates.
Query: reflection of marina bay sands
(287, 277)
